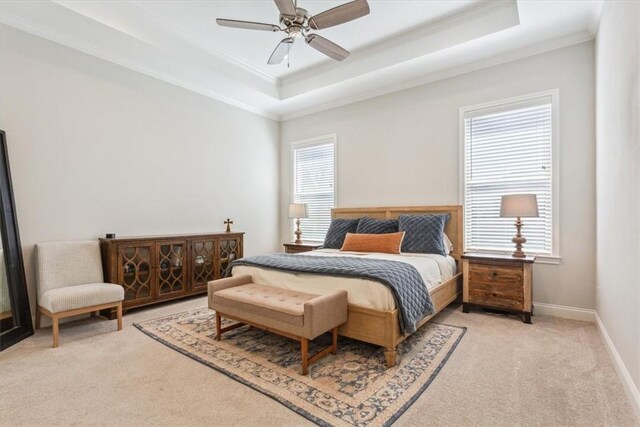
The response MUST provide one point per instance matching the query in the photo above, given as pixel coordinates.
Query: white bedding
(434, 270)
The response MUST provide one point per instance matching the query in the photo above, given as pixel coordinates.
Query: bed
(372, 315)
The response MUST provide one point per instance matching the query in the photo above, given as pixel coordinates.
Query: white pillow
(447, 243)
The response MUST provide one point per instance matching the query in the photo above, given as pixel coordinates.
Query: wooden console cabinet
(152, 269)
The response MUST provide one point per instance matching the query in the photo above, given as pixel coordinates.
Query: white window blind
(508, 150)
(314, 184)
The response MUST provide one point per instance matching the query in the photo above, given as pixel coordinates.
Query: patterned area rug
(351, 388)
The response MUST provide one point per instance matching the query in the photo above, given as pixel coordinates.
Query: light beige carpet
(503, 373)
(351, 388)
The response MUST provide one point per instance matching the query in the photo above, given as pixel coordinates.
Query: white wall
(96, 148)
(618, 181)
(402, 149)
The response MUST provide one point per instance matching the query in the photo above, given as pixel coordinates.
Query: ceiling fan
(297, 23)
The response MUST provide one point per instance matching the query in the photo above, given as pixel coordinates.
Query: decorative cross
(228, 222)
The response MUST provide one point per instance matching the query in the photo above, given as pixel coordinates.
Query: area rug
(351, 388)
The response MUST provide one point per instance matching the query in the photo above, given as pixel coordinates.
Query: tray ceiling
(399, 44)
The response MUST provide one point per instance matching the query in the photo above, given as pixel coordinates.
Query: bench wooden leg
(218, 326)
(119, 309)
(304, 342)
(304, 346)
(56, 330)
(334, 346)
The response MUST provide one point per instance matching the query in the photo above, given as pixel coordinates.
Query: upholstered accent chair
(70, 282)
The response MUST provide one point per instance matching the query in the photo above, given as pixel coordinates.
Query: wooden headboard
(453, 229)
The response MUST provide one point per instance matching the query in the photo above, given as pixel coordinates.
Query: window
(314, 184)
(509, 149)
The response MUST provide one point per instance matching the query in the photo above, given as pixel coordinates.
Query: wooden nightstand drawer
(489, 295)
(495, 275)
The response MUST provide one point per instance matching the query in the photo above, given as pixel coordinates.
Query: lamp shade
(298, 210)
(519, 205)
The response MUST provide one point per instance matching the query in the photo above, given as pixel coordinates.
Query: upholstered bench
(296, 315)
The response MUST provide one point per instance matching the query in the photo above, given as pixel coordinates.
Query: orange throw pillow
(388, 243)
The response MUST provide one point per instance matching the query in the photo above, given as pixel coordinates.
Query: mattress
(434, 269)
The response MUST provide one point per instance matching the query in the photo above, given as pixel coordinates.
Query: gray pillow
(377, 226)
(338, 230)
(423, 233)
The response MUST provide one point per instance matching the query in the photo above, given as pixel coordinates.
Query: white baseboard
(565, 312)
(625, 378)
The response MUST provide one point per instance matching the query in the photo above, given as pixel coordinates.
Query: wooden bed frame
(381, 327)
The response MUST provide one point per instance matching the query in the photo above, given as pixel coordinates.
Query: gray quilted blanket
(404, 281)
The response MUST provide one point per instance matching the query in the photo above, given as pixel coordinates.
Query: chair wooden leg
(218, 326)
(38, 315)
(56, 330)
(119, 316)
(334, 346)
(304, 348)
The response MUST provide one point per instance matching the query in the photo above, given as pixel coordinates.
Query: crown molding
(445, 74)
(468, 16)
(202, 44)
(139, 38)
(31, 27)
(404, 53)
(594, 20)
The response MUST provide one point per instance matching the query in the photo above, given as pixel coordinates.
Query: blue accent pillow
(377, 226)
(338, 230)
(423, 233)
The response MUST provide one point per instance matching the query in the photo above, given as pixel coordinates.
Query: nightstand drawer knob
(495, 274)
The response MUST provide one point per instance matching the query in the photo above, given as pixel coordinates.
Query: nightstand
(294, 248)
(499, 282)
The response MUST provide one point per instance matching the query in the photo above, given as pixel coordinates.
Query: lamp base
(298, 232)
(519, 241)
(518, 254)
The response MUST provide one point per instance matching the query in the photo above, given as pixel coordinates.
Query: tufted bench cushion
(281, 304)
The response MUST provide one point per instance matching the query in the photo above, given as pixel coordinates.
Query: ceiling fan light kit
(297, 23)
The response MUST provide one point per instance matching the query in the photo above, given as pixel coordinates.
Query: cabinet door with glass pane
(203, 268)
(135, 273)
(171, 268)
(229, 249)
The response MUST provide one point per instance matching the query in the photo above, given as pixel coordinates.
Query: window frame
(310, 142)
(517, 102)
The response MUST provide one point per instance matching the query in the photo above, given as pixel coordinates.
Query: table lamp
(518, 206)
(297, 211)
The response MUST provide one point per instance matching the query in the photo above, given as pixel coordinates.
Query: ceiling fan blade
(340, 14)
(286, 7)
(327, 47)
(247, 25)
(280, 52)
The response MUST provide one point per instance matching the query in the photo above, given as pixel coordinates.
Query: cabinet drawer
(499, 282)
(493, 299)
(495, 275)
(496, 285)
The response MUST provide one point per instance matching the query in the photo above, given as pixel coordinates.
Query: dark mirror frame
(22, 326)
